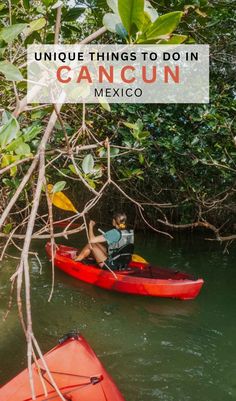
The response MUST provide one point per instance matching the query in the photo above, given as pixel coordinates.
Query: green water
(155, 349)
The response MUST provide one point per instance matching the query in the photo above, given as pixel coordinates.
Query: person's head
(119, 220)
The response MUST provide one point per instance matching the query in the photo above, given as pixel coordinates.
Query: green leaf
(88, 164)
(47, 2)
(7, 228)
(23, 149)
(114, 152)
(113, 4)
(10, 33)
(59, 186)
(102, 152)
(174, 40)
(13, 171)
(150, 11)
(164, 25)
(58, 4)
(38, 114)
(91, 182)
(9, 183)
(6, 116)
(73, 14)
(142, 135)
(10, 72)
(195, 161)
(195, 141)
(9, 159)
(113, 23)
(13, 145)
(201, 13)
(72, 168)
(6, 160)
(131, 126)
(2, 51)
(105, 105)
(35, 25)
(141, 158)
(139, 124)
(132, 15)
(31, 132)
(8, 132)
(4, 11)
(26, 4)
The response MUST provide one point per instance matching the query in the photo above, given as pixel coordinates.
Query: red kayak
(63, 224)
(76, 370)
(139, 278)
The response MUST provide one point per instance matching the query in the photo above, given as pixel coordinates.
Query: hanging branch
(19, 190)
(153, 228)
(44, 236)
(201, 224)
(52, 238)
(58, 25)
(107, 145)
(63, 129)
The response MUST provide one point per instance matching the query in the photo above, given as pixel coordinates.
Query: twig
(52, 239)
(52, 381)
(126, 195)
(45, 236)
(107, 145)
(63, 128)
(58, 25)
(153, 228)
(203, 224)
(18, 191)
(10, 300)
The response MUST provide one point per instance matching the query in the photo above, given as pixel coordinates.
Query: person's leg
(102, 247)
(98, 250)
(99, 254)
(84, 253)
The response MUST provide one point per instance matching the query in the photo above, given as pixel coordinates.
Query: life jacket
(120, 253)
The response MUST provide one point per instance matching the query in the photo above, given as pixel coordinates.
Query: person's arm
(92, 238)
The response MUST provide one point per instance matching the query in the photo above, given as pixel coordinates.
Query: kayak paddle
(139, 259)
(60, 200)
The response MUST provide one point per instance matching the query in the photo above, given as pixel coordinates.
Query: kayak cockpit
(135, 269)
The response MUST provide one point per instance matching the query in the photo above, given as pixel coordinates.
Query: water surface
(155, 349)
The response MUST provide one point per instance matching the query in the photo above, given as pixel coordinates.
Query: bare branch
(7, 168)
(52, 239)
(18, 191)
(203, 224)
(153, 228)
(58, 25)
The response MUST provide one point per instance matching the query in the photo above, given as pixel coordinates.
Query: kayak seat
(120, 259)
(89, 262)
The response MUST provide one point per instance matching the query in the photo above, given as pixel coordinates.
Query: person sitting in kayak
(120, 244)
